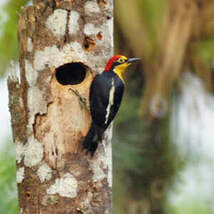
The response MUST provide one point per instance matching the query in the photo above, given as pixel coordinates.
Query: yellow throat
(120, 69)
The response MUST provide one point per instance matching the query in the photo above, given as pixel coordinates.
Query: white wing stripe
(111, 100)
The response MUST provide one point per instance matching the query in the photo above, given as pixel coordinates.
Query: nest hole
(71, 73)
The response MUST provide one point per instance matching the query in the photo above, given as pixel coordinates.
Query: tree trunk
(63, 44)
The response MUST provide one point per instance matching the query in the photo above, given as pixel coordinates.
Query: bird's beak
(131, 60)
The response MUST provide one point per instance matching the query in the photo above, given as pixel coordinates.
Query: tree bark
(62, 45)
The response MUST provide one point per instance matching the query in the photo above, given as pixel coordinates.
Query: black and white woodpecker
(106, 93)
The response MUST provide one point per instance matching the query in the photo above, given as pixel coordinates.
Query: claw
(90, 148)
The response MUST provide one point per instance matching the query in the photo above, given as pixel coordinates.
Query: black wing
(105, 97)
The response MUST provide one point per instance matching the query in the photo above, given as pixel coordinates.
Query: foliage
(8, 36)
(204, 49)
(190, 207)
(8, 193)
(141, 156)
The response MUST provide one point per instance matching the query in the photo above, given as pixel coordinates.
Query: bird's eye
(121, 60)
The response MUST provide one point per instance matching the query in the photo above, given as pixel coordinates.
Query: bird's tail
(91, 140)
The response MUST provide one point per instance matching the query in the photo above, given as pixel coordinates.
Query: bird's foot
(90, 148)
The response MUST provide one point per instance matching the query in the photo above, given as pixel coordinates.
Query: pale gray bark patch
(65, 186)
(73, 24)
(111, 31)
(44, 172)
(103, 162)
(91, 7)
(54, 57)
(90, 29)
(20, 175)
(57, 22)
(30, 74)
(13, 74)
(33, 152)
(29, 45)
(20, 152)
(108, 148)
(35, 97)
(36, 104)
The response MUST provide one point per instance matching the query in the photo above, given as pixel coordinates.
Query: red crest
(111, 61)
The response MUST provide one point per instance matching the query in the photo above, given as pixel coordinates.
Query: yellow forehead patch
(122, 57)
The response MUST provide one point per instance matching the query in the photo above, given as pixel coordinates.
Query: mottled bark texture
(62, 45)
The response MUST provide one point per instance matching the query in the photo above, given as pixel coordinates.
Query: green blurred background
(163, 144)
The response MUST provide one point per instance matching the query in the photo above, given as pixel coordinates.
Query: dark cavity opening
(71, 73)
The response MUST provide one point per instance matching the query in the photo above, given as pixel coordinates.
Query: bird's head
(119, 63)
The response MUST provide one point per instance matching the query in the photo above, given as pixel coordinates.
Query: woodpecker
(106, 93)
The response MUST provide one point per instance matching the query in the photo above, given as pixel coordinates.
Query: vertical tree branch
(167, 68)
